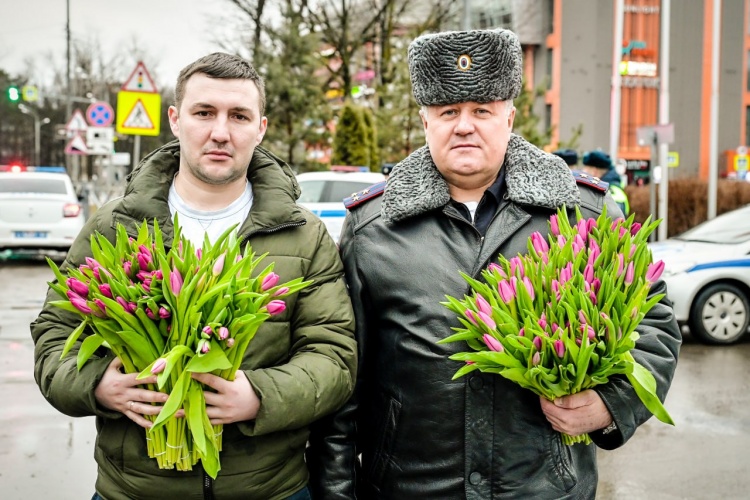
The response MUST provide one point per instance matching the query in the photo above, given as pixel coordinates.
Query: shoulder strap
(367, 194)
(590, 180)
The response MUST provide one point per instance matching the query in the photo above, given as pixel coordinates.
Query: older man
(476, 191)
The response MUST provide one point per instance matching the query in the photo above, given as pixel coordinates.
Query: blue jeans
(303, 494)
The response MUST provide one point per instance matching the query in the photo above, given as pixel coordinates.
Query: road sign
(138, 113)
(100, 114)
(655, 134)
(100, 140)
(140, 81)
(673, 159)
(30, 93)
(76, 123)
(76, 146)
(741, 163)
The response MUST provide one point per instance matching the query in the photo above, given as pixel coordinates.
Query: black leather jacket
(420, 434)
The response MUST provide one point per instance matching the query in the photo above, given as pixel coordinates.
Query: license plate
(31, 234)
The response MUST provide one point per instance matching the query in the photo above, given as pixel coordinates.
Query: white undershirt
(472, 206)
(196, 223)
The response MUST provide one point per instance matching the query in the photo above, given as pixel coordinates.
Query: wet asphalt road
(44, 454)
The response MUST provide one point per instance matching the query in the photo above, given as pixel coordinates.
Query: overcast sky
(173, 32)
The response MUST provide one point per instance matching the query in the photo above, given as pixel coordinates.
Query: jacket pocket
(382, 453)
(562, 462)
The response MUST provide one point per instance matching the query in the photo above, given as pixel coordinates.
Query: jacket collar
(532, 177)
(275, 191)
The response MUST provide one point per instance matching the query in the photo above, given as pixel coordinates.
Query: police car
(707, 271)
(323, 193)
(39, 209)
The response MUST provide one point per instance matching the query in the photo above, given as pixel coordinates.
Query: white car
(38, 209)
(707, 271)
(323, 193)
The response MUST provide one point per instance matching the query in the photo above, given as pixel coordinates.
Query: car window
(46, 186)
(312, 191)
(731, 227)
(343, 189)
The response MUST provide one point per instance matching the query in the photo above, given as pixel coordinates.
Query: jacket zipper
(271, 230)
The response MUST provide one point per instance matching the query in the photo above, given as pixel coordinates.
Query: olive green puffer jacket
(301, 363)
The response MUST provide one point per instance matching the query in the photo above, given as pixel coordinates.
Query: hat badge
(464, 62)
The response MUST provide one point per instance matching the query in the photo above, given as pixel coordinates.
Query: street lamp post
(37, 130)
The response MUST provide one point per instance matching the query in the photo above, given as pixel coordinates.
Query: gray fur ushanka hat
(461, 66)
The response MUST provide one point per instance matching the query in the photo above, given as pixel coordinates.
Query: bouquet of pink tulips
(562, 318)
(172, 312)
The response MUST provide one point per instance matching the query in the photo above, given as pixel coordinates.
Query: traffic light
(14, 93)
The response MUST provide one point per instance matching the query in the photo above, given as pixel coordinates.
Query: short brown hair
(224, 66)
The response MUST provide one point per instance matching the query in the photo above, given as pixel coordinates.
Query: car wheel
(720, 314)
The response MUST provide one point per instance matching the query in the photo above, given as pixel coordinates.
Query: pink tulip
(150, 313)
(516, 264)
(158, 366)
(494, 268)
(487, 320)
(522, 332)
(629, 274)
(559, 348)
(636, 227)
(596, 285)
(122, 302)
(230, 342)
(529, 287)
(132, 306)
(92, 263)
(536, 359)
(164, 313)
(471, 317)
(493, 343)
(203, 346)
(157, 275)
(654, 271)
(80, 304)
(537, 343)
(79, 287)
(588, 273)
(143, 260)
(105, 290)
(483, 305)
(543, 321)
(127, 267)
(198, 253)
(581, 317)
(281, 291)
(219, 264)
(269, 281)
(143, 275)
(175, 281)
(505, 291)
(578, 244)
(539, 243)
(276, 307)
(223, 332)
(554, 225)
(620, 265)
(207, 331)
(100, 304)
(561, 240)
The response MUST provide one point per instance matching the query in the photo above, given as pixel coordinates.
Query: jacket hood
(532, 177)
(275, 190)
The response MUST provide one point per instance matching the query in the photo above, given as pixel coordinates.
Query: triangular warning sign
(76, 146)
(140, 81)
(138, 117)
(77, 122)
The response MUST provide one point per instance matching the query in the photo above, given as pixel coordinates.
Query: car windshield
(45, 186)
(325, 191)
(731, 227)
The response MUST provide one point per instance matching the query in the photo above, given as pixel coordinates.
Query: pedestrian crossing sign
(138, 113)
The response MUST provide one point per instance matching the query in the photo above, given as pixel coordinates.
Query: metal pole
(664, 118)
(713, 160)
(136, 151)
(615, 97)
(652, 180)
(37, 141)
(466, 21)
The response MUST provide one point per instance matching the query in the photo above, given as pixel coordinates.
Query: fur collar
(532, 177)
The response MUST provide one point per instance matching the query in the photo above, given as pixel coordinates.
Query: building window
(548, 69)
(548, 116)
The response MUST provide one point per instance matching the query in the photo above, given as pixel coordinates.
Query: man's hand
(122, 392)
(577, 414)
(233, 401)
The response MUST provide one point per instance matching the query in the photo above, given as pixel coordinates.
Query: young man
(301, 363)
(474, 192)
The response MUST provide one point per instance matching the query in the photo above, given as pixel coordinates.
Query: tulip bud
(80, 304)
(175, 281)
(158, 366)
(230, 342)
(559, 348)
(483, 305)
(588, 273)
(105, 290)
(471, 317)
(629, 274)
(198, 253)
(122, 302)
(635, 228)
(157, 275)
(206, 332)
(654, 271)
(537, 343)
(223, 332)
(539, 243)
(219, 264)
(505, 291)
(164, 313)
(269, 281)
(143, 260)
(487, 320)
(493, 343)
(529, 286)
(522, 332)
(536, 358)
(127, 267)
(281, 291)
(554, 225)
(150, 313)
(276, 307)
(494, 268)
(543, 321)
(516, 264)
(203, 346)
(79, 287)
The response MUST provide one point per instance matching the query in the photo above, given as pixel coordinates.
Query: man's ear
(173, 121)
(423, 116)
